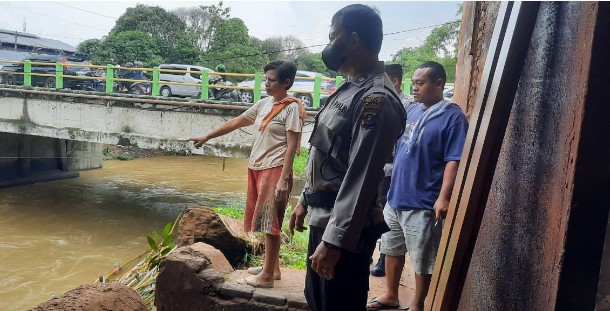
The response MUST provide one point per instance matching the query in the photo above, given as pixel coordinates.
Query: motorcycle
(222, 94)
(137, 88)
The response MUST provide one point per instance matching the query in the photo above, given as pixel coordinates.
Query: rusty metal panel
(497, 89)
(517, 259)
(587, 225)
(478, 21)
(603, 292)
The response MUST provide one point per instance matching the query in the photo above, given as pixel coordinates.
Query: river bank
(115, 152)
(58, 235)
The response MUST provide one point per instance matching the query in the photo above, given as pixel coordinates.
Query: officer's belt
(325, 199)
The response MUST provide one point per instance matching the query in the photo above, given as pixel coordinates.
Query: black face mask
(332, 57)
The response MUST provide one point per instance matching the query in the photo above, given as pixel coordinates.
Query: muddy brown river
(58, 235)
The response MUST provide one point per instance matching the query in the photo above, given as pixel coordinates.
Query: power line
(85, 10)
(58, 36)
(420, 28)
(59, 19)
(318, 45)
(263, 53)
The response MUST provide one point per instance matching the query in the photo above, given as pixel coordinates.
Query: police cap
(393, 69)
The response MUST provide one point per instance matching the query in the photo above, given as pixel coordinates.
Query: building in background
(15, 45)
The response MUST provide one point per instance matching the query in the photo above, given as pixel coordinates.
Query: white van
(167, 90)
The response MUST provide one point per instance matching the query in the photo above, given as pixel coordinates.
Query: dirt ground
(293, 282)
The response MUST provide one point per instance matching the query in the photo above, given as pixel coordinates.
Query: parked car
(247, 96)
(49, 82)
(167, 90)
(448, 92)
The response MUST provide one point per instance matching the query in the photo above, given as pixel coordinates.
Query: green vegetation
(143, 276)
(440, 46)
(160, 245)
(300, 162)
(124, 157)
(236, 212)
(293, 251)
(205, 35)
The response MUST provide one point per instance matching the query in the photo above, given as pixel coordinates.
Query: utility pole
(24, 26)
(15, 40)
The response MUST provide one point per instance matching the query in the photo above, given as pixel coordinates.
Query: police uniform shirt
(354, 134)
(406, 100)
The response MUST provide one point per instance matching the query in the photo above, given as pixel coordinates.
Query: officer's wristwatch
(331, 246)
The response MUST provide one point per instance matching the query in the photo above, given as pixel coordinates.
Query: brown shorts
(264, 212)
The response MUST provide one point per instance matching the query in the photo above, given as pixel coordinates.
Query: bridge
(51, 134)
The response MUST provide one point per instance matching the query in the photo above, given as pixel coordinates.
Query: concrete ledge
(297, 302)
(269, 297)
(189, 279)
(236, 291)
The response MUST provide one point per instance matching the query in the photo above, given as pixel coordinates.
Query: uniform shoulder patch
(371, 105)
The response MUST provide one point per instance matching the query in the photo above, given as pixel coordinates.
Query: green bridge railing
(108, 79)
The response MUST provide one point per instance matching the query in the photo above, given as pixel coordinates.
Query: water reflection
(58, 235)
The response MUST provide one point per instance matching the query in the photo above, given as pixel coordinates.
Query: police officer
(353, 137)
(394, 71)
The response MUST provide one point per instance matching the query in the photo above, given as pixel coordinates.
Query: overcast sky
(309, 21)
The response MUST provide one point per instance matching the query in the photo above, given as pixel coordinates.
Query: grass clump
(300, 162)
(236, 212)
(293, 250)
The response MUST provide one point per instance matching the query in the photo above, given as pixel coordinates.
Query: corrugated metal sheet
(13, 55)
(7, 37)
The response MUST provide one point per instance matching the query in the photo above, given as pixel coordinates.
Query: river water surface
(58, 235)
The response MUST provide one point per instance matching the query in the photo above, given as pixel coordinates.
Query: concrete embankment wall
(27, 159)
(153, 124)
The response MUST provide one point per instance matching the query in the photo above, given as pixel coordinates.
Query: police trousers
(349, 288)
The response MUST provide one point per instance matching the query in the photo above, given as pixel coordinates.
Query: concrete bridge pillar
(26, 159)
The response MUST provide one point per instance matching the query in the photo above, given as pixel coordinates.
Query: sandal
(381, 306)
(253, 283)
(258, 270)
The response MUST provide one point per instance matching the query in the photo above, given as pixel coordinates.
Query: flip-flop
(258, 270)
(255, 270)
(254, 283)
(381, 305)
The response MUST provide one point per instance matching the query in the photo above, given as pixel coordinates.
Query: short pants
(413, 231)
(264, 212)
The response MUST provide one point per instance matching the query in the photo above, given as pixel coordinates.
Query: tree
(439, 46)
(238, 59)
(234, 48)
(293, 47)
(153, 20)
(286, 48)
(183, 52)
(89, 48)
(273, 48)
(202, 22)
(232, 31)
(313, 62)
(154, 25)
(129, 46)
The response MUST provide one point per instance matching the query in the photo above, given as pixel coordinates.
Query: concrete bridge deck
(50, 135)
(141, 121)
